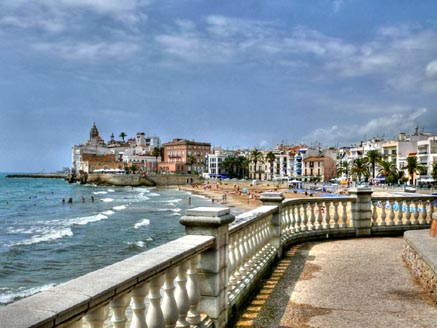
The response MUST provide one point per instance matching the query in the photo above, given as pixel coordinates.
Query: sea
(44, 241)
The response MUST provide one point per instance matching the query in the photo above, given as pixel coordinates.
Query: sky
(237, 74)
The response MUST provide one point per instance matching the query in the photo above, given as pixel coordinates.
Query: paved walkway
(344, 283)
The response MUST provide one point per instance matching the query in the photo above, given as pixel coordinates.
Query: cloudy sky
(234, 73)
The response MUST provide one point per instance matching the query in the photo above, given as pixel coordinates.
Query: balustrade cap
(207, 217)
(271, 196)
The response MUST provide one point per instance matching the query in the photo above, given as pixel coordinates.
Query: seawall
(137, 180)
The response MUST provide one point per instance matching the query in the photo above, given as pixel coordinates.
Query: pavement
(343, 283)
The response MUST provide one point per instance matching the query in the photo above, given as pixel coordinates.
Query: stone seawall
(420, 254)
(137, 180)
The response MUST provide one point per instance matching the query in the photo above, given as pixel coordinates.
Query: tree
(373, 157)
(123, 135)
(360, 167)
(270, 157)
(413, 166)
(242, 166)
(389, 171)
(345, 168)
(434, 172)
(256, 157)
(157, 152)
(191, 160)
(230, 165)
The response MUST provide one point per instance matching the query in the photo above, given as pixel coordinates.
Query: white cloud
(431, 69)
(388, 125)
(83, 50)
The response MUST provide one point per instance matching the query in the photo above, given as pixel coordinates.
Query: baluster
(416, 212)
(139, 306)
(155, 318)
(374, 213)
(242, 268)
(327, 214)
(169, 307)
(96, 317)
(423, 212)
(400, 213)
(383, 213)
(118, 307)
(232, 266)
(312, 220)
(193, 316)
(431, 210)
(344, 215)
(319, 216)
(76, 324)
(336, 217)
(297, 218)
(181, 294)
(304, 218)
(392, 213)
(247, 259)
(290, 223)
(408, 214)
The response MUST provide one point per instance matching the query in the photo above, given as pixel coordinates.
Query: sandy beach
(240, 194)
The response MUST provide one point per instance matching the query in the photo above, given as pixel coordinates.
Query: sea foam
(9, 296)
(144, 222)
(50, 235)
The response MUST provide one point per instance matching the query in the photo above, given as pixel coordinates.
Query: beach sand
(235, 197)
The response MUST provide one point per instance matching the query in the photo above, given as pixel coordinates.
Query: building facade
(185, 156)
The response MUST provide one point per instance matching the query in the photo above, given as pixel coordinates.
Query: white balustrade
(139, 306)
(118, 306)
(169, 306)
(193, 316)
(96, 317)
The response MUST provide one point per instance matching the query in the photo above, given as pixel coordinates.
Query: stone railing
(202, 279)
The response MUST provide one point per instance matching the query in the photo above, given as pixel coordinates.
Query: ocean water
(44, 242)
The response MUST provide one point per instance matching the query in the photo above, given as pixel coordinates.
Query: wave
(49, 236)
(140, 244)
(108, 212)
(176, 209)
(100, 192)
(144, 222)
(107, 200)
(153, 194)
(111, 190)
(200, 196)
(9, 296)
(177, 200)
(88, 219)
(119, 208)
(175, 214)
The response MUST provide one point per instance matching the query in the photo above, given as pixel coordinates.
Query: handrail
(212, 270)
(89, 295)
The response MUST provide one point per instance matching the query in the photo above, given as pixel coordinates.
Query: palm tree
(157, 152)
(373, 157)
(230, 164)
(256, 156)
(434, 171)
(345, 168)
(123, 135)
(242, 166)
(413, 166)
(191, 160)
(389, 171)
(360, 167)
(270, 157)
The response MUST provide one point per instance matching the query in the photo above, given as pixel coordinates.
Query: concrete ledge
(71, 300)
(420, 253)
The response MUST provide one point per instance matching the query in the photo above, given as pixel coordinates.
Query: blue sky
(233, 73)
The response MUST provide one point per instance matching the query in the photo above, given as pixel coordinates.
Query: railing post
(275, 199)
(213, 270)
(362, 211)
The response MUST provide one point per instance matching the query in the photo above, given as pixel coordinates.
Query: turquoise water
(44, 242)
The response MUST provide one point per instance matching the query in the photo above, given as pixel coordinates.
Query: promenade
(343, 283)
